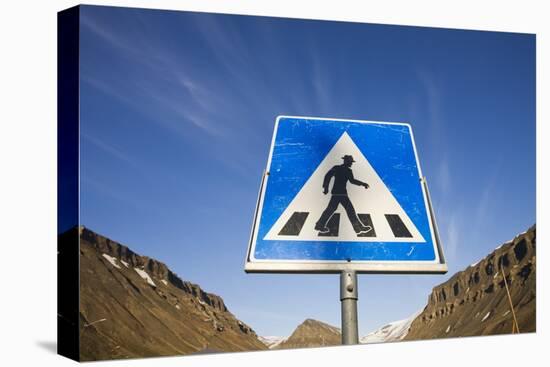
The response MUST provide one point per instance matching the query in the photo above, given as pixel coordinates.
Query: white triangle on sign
(377, 201)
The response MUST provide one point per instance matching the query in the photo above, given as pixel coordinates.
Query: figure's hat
(348, 158)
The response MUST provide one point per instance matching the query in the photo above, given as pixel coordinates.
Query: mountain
(135, 306)
(311, 333)
(394, 331)
(475, 301)
(472, 302)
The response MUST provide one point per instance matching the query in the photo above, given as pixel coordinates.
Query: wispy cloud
(179, 94)
(433, 103)
(185, 110)
(225, 43)
(450, 211)
(198, 93)
(482, 215)
(320, 80)
(190, 104)
(443, 177)
(107, 190)
(164, 102)
(110, 149)
(438, 136)
(106, 88)
(102, 31)
(233, 54)
(482, 210)
(452, 237)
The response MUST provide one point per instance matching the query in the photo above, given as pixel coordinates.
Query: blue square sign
(343, 195)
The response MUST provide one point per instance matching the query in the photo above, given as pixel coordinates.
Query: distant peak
(316, 324)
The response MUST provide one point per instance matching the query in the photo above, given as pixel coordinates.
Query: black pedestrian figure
(342, 174)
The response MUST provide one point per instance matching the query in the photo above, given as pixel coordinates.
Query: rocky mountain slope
(135, 306)
(475, 301)
(311, 333)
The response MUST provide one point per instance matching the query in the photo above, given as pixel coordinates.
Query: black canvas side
(68, 183)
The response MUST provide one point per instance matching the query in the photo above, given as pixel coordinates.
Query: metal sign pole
(348, 297)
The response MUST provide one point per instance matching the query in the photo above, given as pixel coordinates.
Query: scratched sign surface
(342, 191)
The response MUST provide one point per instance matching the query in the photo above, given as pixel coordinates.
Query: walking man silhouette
(342, 174)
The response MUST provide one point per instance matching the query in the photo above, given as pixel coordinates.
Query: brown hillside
(134, 306)
(475, 302)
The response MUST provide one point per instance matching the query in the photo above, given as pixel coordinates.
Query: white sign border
(252, 265)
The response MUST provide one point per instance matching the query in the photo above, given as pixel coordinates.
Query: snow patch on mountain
(112, 260)
(272, 341)
(145, 276)
(393, 331)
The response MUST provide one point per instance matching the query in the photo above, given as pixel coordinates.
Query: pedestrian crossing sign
(343, 195)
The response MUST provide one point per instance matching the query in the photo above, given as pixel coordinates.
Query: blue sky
(177, 114)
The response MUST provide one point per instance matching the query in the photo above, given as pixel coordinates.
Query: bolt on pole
(348, 297)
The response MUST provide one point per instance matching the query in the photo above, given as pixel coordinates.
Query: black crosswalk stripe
(294, 225)
(397, 226)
